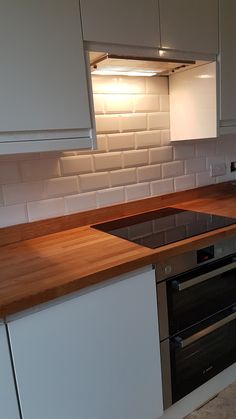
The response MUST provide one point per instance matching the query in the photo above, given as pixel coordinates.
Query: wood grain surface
(38, 270)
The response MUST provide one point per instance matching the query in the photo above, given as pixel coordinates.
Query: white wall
(134, 158)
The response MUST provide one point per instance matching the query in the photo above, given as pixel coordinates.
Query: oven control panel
(203, 255)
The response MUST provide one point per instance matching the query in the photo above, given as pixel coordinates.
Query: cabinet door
(227, 62)
(42, 69)
(8, 400)
(189, 25)
(93, 356)
(127, 22)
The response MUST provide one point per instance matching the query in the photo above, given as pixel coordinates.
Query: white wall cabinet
(43, 81)
(227, 66)
(92, 356)
(189, 25)
(125, 22)
(8, 400)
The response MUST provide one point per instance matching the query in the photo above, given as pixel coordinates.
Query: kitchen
(45, 173)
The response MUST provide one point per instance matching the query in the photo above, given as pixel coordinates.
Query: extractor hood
(111, 64)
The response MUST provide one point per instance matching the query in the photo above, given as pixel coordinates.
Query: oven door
(198, 354)
(196, 295)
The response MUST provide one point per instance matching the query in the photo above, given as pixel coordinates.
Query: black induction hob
(167, 225)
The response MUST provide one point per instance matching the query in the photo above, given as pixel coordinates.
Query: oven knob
(168, 269)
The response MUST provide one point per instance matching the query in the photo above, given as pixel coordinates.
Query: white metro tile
(132, 85)
(148, 173)
(120, 141)
(103, 84)
(107, 123)
(123, 177)
(94, 181)
(195, 165)
(12, 214)
(80, 202)
(61, 186)
(106, 161)
(110, 196)
(183, 151)
(173, 169)
(164, 103)
(135, 158)
(102, 143)
(138, 191)
(161, 187)
(133, 122)
(205, 148)
(147, 139)
(204, 178)
(40, 169)
(1, 197)
(76, 165)
(158, 85)
(158, 120)
(165, 137)
(98, 101)
(22, 192)
(161, 154)
(9, 172)
(47, 208)
(117, 103)
(146, 103)
(184, 182)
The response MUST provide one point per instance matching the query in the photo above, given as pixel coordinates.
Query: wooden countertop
(38, 270)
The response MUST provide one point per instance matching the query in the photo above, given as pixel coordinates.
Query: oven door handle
(182, 343)
(204, 277)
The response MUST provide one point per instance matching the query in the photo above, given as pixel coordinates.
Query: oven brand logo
(207, 369)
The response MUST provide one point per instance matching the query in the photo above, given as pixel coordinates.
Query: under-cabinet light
(124, 73)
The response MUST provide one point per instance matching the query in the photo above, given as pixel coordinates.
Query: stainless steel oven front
(196, 293)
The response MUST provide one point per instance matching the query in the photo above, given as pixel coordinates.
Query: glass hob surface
(167, 225)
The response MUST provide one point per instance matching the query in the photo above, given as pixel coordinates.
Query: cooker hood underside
(111, 64)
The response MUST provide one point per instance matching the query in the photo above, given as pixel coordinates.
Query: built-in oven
(196, 294)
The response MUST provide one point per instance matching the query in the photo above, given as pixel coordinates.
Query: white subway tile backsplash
(182, 183)
(133, 122)
(81, 202)
(204, 178)
(147, 103)
(160, 155)
(9, 172)
(204, 148)
(107, 161)
(40, 169)
(132, 85)
(123, 177)
(102, 143)
(118, 103)
(147, 139)
(164, 103)
(184, 151)
(61, 186)
(93, 181)
(107, 123)
(98, 102)
(195, 165)
(157, 85)
(13, 214)
(124, 141)
(76, 164)
(23, 192)
(1, 197)
(104, 84)
(47, 208)
(162, 187)
(165, 137)
(158, 120)
(110, 196)
(138, 191)
(147, 173)
(135, 158)
(172, 169)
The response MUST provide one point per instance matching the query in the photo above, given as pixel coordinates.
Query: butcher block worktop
(48, 266)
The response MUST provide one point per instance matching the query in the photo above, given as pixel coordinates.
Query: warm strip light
(123, 73)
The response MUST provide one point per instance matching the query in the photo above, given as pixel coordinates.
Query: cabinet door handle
(204, 277)
(182, 343)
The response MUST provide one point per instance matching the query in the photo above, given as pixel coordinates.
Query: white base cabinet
(8, 399)
(93, 356)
